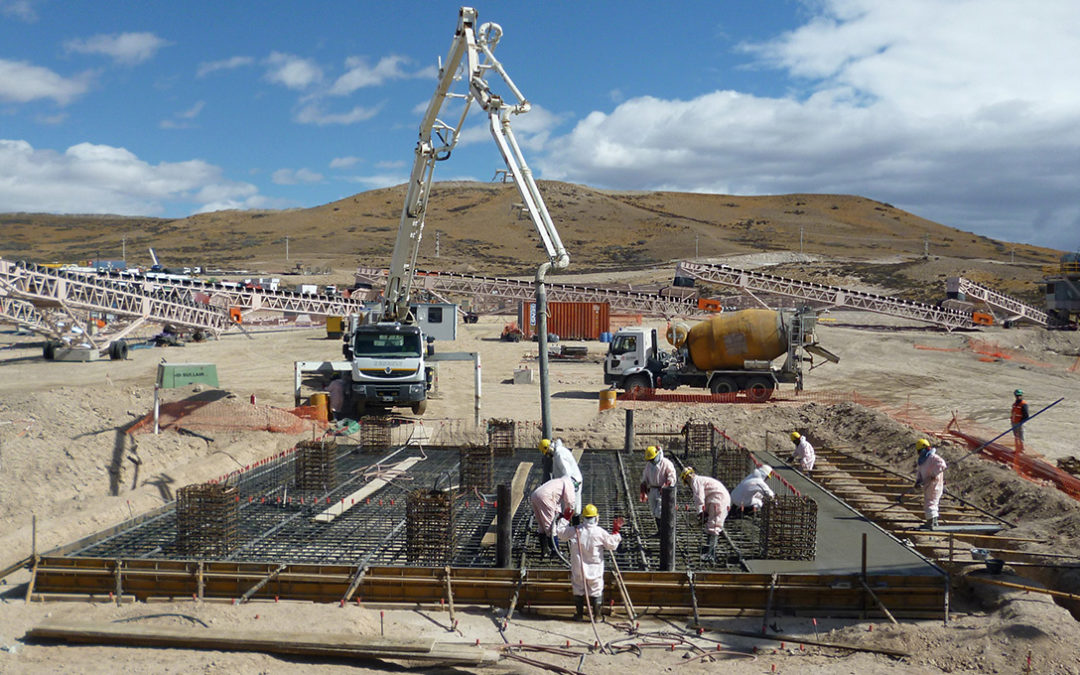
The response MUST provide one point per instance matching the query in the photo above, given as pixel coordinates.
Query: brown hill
(484, 231)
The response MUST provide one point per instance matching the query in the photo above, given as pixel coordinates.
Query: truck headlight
(416, 389)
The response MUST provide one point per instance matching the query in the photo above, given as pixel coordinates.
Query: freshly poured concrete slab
(839, 537)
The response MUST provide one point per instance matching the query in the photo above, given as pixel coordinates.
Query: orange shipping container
(568, 320)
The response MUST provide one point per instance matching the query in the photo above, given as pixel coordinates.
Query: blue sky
(964, 112)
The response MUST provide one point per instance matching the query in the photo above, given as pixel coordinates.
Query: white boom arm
(472, 54)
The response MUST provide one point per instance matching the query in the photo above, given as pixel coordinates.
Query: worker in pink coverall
(713, 503)
(548, 501)
(930, 476)
(587, 542)
(804, 452)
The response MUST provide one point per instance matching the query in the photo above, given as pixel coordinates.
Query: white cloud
(20, 9)
(22, 82)
(88, 178)
(531, 129)
(965, 112)
(359, 74)
(376, 181)
(313, 113)
(123, 48)
(182, 119)
(292, 71)
(208, 67)
(291, 177)
(343, 162)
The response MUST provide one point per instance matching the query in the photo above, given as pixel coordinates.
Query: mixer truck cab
(628, 359)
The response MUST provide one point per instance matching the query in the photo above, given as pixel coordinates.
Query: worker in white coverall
(753, 490)
(659, 473)
(548, 501)
(587, 544)
(803, 455)
(930, 476)
(713, 503)
(564, 464)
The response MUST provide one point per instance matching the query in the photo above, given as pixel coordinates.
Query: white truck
(726, 354)
(387, 350)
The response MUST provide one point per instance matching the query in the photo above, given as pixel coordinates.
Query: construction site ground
(64, 458)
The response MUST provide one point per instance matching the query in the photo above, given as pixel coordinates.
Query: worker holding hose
(588, 541)
(548, 501)
(713, 503)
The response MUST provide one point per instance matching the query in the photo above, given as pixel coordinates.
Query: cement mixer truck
(726, 353)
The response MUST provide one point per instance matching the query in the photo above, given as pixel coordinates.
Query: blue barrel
(605, 336)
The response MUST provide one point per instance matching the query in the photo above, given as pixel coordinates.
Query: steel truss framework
(1005, 303)
(650, 304)
(757, 282)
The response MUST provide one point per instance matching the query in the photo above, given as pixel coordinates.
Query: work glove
(617, 525)
(702, 517)
(644, 493)
(568, 513)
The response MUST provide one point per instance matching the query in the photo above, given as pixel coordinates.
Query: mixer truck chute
(726, 353)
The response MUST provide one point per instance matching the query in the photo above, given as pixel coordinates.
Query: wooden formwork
(914, 596)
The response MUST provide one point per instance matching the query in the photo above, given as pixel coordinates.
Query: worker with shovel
(588, 541)
(930, 476)
(548, 501)
(713, 503)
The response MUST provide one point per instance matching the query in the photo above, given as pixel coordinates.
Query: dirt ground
(65, 459)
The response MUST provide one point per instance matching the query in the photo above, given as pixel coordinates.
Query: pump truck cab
(389, 367)
(726, 353)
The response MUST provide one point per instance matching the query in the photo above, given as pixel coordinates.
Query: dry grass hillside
(484, 231)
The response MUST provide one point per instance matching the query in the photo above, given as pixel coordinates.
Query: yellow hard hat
(650, 453)
(589, 511)
(686, 474)
(795, 435)
(545, 445)
(921, 444)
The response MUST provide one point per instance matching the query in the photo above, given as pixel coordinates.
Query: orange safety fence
(989, 352)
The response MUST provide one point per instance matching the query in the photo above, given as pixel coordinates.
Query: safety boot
(595, 602)
(544, 544)
(579, 607)
(710, 554)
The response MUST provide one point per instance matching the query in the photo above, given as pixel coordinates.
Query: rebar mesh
(316, 466)
(698, 439)
(501, 437)
(376, 433)
(206, 519)
(429, 527)
(789, 528)
(475, 467)
(731, 463)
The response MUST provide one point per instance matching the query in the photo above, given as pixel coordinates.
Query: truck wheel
(759, 389)
(420, 407)
(723, 385)
(636, 382)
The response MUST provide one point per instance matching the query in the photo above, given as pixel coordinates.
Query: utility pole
(1012, 254)
(286, 249)
(696, 237)
(437, 233)
(801, 229)
(123, 248)
(926, 247)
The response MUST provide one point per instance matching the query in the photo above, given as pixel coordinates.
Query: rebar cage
(206, 519)
(789, 528)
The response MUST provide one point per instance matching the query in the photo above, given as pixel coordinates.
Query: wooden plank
(341, 645)
(355, 498)
(517, 493)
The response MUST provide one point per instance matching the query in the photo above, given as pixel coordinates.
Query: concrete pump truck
(386, 351)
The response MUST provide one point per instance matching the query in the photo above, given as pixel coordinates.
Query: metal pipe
(504, 521)
(667, 528)
(542, 343)
(628, 438)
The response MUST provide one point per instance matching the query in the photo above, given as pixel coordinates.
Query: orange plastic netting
(230, 414)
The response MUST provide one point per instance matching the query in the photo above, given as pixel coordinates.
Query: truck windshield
(392, 344)
(624, 344)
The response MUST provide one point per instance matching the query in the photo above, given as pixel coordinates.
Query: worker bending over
(563, 464)
(753, 490)
(587, 544)
(548, 501)
(713, 503)
(659, 473)
(803, 454)
(930, 475)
